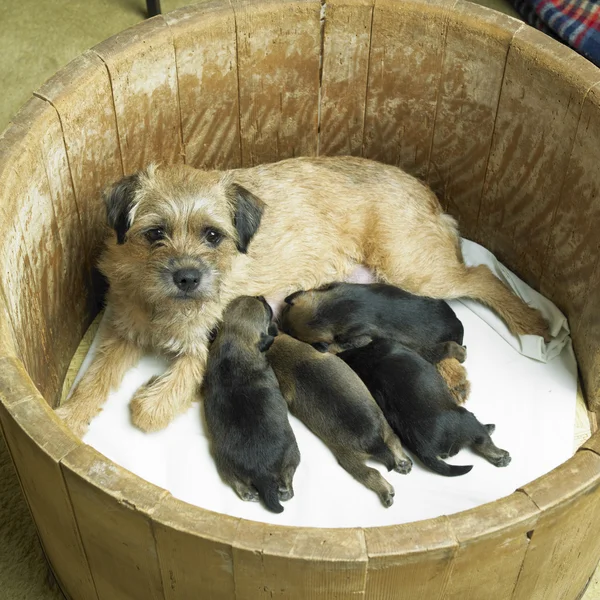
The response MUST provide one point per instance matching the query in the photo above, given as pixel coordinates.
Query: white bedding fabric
(532, 402)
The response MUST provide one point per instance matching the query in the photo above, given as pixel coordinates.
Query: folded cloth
(573, 22)
(532, 346)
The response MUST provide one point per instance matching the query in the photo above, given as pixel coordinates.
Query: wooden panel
(112, 509)
(141, 64)
(346, 44)
(8, 341)
(410, 561)
(46, 279)
(298, 563)
(37, 441)
(407, 47)
(565, 543)
(194, 550)
(535, 128)
(477, 44)
(278, 71)
(205, 49)
(81, 94)
(490, 551)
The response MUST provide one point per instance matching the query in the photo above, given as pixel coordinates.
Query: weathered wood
(194, 551)
(530, 154)
(278, 46)
(346, 45)
(298, 563)
(112, 508)
(46, 279)
(81, 93)
(206, 54)
(407, 48)
(565, 542)
(477, 43)
(410, 561)
(492, 542)
(143, 75)
(37, 442)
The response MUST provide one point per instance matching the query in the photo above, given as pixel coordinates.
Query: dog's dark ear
(290, 299)
(273, 330)
(266, 341)
(119, 201)
(247, 215)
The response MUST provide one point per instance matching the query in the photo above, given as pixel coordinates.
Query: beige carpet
(36, 39)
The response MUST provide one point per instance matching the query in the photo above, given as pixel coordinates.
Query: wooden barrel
(503, 122)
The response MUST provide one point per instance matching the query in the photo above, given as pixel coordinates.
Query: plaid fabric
(574, 22)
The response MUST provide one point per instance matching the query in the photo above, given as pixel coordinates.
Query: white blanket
(532, 403)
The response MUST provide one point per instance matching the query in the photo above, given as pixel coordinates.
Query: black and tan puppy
(332, 401)
(418, 406)
(253, 443)
(339, 316)
(349, 315)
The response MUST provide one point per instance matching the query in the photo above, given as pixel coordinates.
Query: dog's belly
(358, 274)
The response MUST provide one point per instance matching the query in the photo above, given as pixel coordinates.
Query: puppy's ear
(247, 215)
(119, 200)
(321, 346)
(273, 330)
(266, 341)
(290, 299)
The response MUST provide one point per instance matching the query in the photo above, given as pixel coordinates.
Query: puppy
(419, 407)
(186, 242)
(339, 316)
(253, 443)
(332, 401)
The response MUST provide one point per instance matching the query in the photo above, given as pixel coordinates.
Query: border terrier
(340, 316)
(185, 242)
(252, 441)
(419, 408)
(330, 399)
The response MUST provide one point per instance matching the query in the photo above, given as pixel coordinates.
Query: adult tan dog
(186, 242)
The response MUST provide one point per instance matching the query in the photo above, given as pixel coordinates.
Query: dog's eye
(213, 236)
(154, 235)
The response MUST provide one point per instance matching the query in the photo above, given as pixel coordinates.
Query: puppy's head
(176, 232)
(302, 315)
(249, 320)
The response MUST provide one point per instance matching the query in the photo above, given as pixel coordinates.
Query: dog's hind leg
(484, 446)
(400, 462)
(432, 265)
(369, 477)
(455, 376)
(286, 488)
(438, 352)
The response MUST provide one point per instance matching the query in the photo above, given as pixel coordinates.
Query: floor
(36, 39)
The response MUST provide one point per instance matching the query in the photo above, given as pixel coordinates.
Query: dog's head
(176, 232)
(303, 318)
(250, 320)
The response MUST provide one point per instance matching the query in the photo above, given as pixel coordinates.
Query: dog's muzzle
(187, 280)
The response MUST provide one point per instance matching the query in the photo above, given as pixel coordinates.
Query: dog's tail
(268, 490)
(442, 468)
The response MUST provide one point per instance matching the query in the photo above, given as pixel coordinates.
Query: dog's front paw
(151, 410)
(74, 418)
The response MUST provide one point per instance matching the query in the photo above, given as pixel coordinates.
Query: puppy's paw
(74, 418)
(387, 497)
(461, 392)
(404, 466)
(503, 460)
(456, 351)
(533, 323)
(250, 495)
(285, 493)
(150, 410)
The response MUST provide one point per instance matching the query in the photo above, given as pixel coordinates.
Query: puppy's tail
(442, 468)
(268, 490)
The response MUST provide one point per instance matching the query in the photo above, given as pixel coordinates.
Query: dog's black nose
(187, 280)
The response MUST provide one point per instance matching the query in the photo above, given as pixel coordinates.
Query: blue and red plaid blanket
(574, 22)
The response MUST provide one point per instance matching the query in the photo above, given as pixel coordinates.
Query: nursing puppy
(339, 316)
(332, 401)
(185, 242)
(253, 443)
(419, 407)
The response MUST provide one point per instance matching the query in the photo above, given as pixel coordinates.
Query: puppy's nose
(187, 280)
